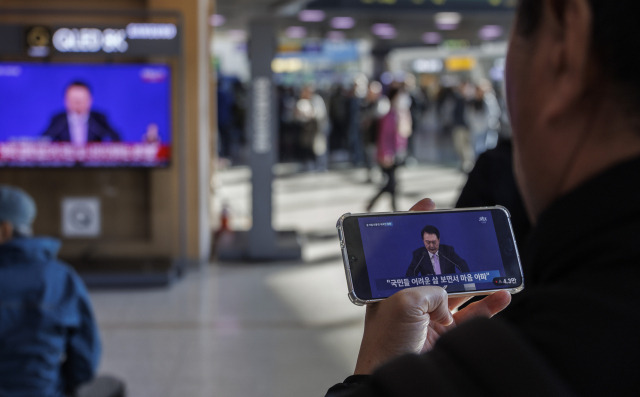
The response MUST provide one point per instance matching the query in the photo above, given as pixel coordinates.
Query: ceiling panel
(411, 18)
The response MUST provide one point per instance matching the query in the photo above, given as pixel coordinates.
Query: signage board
(133, 39)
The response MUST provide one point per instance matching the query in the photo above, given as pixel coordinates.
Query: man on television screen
(79, 124)
(441, 258)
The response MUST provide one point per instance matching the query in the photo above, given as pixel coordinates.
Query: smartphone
(468, 251)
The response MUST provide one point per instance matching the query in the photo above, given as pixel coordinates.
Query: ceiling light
(490, 32)
(311, 16)
(443, 26)
(343, 23)
(432, 38)
(217, 20)
(428, 65)
(296, 32)
(384, 30)
(447, 20)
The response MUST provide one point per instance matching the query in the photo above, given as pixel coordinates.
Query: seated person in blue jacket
(49, 343)
(435, 258)
(79, 124)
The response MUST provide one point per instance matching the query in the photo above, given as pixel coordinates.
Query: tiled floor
(271, 329)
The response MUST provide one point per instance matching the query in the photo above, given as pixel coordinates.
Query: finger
(487, 307)
(455, 302)
(431, 301)
(425, 204)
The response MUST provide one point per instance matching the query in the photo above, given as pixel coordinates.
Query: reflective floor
(267, 329)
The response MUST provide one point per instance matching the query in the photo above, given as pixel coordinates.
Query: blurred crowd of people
(318, 127)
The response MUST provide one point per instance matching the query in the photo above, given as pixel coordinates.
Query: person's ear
(568, 25)
(6, 232)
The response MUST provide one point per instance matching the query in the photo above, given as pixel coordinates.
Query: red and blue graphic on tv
(86, 115)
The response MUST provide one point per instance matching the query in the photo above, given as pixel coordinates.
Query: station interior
(207, 236)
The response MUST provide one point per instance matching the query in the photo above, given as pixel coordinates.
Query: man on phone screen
(435, 258)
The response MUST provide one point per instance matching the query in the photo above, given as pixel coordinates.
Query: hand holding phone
(391, 326)
(465, 251)
(411, 321)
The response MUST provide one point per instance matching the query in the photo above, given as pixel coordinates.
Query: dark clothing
(459, 111)
(572, 327)
(491, 182)
(481, 358)
(354, 138)
(99, 129)
(579, 307)
(339, 117)
(389, 187)
(225, 127)
(49, 341)
(450, 262)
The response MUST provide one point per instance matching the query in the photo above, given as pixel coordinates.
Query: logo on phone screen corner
(483, 220)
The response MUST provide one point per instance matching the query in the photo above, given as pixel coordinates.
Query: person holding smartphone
(572, 92)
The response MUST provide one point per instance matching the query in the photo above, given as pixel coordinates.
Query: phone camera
(353, 258)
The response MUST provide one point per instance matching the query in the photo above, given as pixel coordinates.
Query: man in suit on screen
(79, 124)
(435, 258)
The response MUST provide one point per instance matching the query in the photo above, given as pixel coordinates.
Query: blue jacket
(49, 341)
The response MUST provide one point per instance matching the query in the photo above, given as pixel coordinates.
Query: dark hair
(393, 92)
(613, 35)
(78, 83)
(429, 229)
(528, 17)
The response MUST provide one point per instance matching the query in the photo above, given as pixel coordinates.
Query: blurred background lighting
(447, 26)
(296, 32)
(343, 23)
(428, 65)
(286, 65)
(217, 20)
(335, 35)
(432, 38)
(386, 78)
(311, 16)
(447, 20)
(237, 34)
(490, 32)
(452, 18)
(384, 30)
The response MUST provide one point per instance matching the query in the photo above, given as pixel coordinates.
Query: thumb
(487, 307)
(431, 302)
(425, 204)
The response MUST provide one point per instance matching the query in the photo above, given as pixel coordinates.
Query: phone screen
(463, 251)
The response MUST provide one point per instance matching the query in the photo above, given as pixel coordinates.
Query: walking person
(462, 139)
(391, 145)
(311, 114)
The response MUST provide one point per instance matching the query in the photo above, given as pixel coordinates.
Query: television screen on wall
(85, 115)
